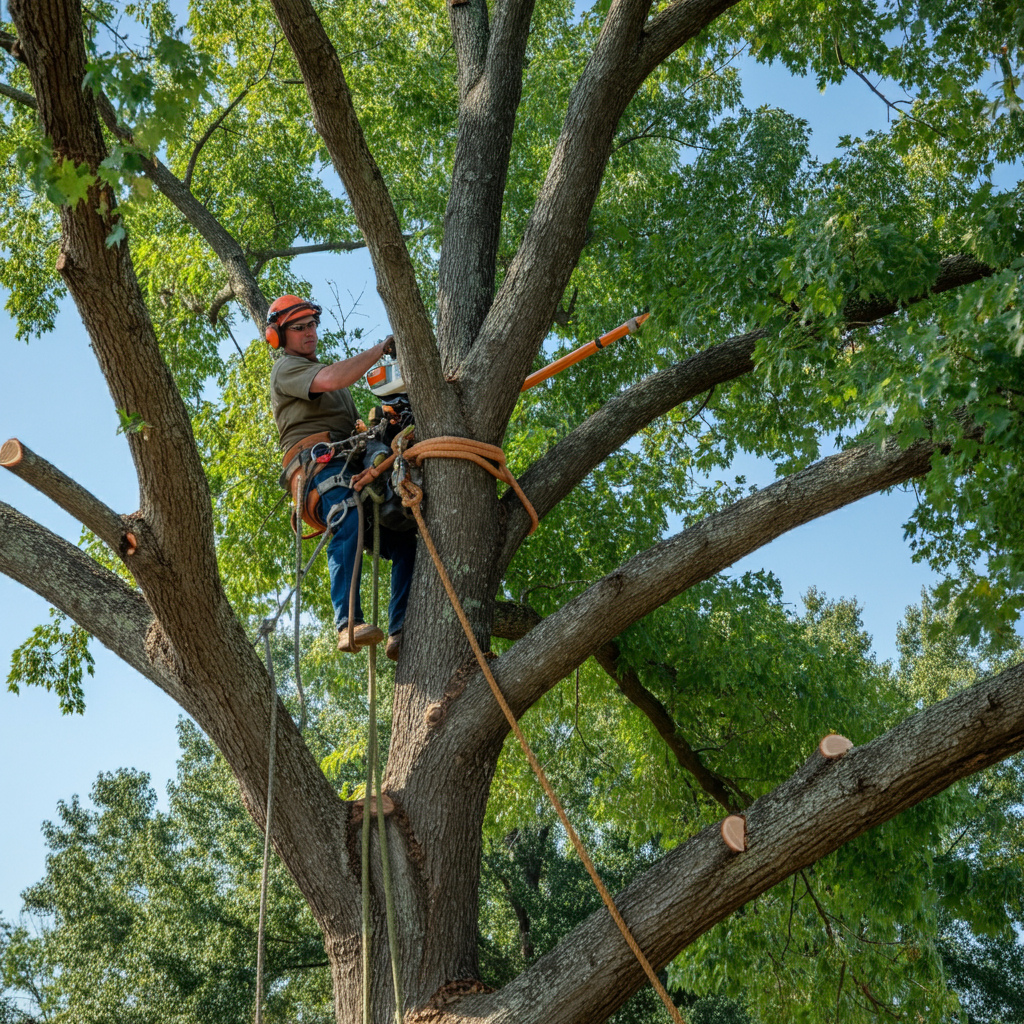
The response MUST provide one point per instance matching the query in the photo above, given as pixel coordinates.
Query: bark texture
(178, 630)
(823, 805)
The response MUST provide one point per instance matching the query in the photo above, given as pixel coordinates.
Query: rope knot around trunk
(486, 456)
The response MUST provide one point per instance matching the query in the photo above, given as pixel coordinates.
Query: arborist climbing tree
(312, 407)
(515, 171)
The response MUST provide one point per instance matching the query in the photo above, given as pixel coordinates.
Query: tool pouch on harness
(393, 515)
(297, 477)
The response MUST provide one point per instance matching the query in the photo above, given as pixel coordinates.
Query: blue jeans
(342, 554)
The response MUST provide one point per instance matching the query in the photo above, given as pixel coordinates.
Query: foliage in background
(714, 214)
(158, 910)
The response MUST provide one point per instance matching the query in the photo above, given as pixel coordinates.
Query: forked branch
(822, 806)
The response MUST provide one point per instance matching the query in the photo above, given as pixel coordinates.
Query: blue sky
(54, 399)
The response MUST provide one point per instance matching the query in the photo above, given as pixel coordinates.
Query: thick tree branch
(471, 31)
(490, 88)
(561, 469)
(669, 29)
(94, 597)
(556, 473)
(69, 495)
(335, 119)
(524, 307)
(819, 808)
(952, 272)
(101, 279)
(566, 638)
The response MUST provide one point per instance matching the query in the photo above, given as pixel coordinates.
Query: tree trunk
(180, 631)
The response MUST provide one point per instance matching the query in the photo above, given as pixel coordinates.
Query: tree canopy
(523, 178)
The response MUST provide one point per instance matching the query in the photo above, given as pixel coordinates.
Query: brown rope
(455, 448)
(411, 498)
(475, 451)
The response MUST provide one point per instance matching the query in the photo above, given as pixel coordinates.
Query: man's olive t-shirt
(298, 413)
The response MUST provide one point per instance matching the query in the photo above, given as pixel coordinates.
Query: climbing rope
(266, 628)
(371, 753)
(334, 518)
(412, 496)
(295, 616)
(455, 448)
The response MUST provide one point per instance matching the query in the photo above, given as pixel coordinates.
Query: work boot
(365, 634)
(394, 645)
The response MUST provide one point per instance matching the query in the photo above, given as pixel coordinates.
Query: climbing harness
(412, 496)
(303, 463)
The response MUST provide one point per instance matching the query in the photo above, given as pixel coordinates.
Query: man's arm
(346, 372)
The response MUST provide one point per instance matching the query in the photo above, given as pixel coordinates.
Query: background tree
(155, 914)
(874, 299)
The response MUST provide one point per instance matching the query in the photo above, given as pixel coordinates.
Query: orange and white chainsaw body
(385, 378)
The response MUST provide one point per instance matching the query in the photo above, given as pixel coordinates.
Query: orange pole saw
(385, 378)
(629, 327)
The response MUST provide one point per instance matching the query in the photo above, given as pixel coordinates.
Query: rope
(448, 447)
(266, 628)
(389, 901)
(261, 942)
(412, 496)
(475, 451)
(365, 873)
(268, 625)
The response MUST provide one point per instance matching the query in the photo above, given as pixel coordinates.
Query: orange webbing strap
(411, 498)
(360, 480)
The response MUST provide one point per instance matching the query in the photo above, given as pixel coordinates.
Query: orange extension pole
(629, 327)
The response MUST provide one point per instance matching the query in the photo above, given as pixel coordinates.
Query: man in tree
(311, 404)
(514, 171)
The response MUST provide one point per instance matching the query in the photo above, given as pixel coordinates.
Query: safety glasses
(302, 328)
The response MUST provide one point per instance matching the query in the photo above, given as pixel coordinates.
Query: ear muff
(286, 308)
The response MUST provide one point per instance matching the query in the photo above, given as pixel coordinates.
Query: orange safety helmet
(286, 308)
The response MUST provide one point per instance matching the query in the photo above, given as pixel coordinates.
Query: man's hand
(389, 346)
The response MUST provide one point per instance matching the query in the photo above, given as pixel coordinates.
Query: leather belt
(290, 461)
